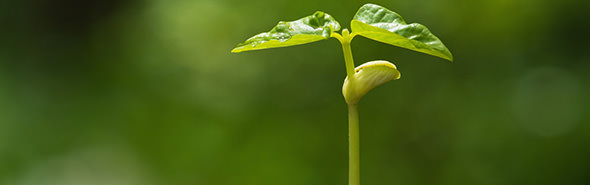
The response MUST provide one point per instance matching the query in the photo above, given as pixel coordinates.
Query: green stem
(346, 39)
(353, 118)
(353, 145)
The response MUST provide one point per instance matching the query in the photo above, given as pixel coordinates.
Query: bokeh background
(106, 92)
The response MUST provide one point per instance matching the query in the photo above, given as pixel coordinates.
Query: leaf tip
(236, 50)
(450, 57)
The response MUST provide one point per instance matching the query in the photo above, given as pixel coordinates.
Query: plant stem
(353, 117)
(353, 145)
(346, 39)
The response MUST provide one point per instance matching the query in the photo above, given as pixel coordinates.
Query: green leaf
(368, 76)
(318, 26)
(383, 25)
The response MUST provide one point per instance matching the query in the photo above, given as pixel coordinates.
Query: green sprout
(371, 21)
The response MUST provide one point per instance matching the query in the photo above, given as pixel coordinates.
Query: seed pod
(366, 77)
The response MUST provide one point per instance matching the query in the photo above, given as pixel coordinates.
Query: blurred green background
(147, 93)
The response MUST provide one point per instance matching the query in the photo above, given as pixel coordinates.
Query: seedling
(371, 21)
